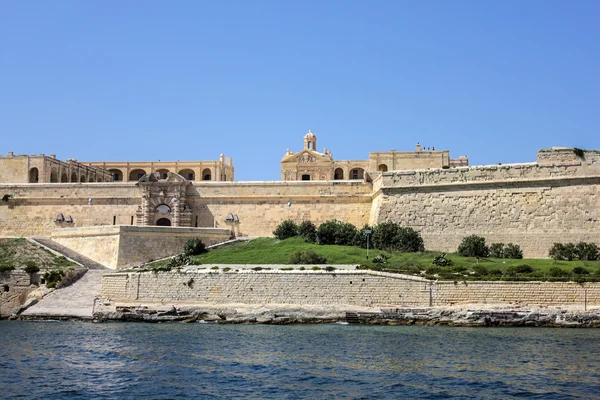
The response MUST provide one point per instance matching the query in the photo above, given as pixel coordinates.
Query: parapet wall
(359, 288)
(528, 204)
(125, 246)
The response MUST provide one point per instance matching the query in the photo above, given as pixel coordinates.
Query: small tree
(391, 236)
(512, 251)
(587, 251)
(286, 229)
(193, 247)
(360, 239)
(336, 232)
(308, 231)
(473, 246)
(497, 250)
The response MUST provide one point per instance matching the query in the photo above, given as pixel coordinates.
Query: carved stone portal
(164, 201)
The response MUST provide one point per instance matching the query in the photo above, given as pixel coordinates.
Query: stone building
(220, 170)
(310, 164)
(47, 169)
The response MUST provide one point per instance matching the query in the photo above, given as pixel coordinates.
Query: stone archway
(163, 222)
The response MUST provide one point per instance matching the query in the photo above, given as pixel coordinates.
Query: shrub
(519, 269)
(497, 250)
(286, 229)
(587, 251)
(393, 237)
(214, 267)
(473, 246)
(513, 251)
(226, 269)
(70, 277)
(308, 231)
(193, 247)
(433, 270)
(329, 268)
(336, 232)
(315, 268)
(441, 260)
(481, 270)
(257, 269)
(52, 278)
(578, 152)
(459, 269)
(6, 268)
(579, 270)
(570, 251)
(307, 256)
(176, 262)
(557, 272)
(360, 240)
(380, 259)
(31, 268)
(494, 272)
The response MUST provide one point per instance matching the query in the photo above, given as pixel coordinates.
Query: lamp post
(368, 233)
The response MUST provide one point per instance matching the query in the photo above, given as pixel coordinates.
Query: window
(306, 177)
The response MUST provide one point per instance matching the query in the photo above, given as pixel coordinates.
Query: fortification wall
(33, 208)
(528, 204)
(261, 206)
(15, 286)
(360, 288)
(125, 246)
(267, 287)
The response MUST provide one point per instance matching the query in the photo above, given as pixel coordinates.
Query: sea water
(70, 360)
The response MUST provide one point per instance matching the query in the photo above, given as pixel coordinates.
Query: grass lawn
(274, 251)
(18, 253)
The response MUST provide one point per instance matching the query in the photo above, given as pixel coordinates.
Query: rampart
(358, 288)
(533, 205)
(123, 246)
(32, 209)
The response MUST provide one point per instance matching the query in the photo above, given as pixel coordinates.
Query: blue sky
(150, 80)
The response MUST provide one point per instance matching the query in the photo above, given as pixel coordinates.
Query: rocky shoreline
(467, 315)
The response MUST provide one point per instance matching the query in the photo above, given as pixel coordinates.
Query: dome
(309, 135)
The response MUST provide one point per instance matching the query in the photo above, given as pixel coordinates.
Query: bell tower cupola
(310, 141)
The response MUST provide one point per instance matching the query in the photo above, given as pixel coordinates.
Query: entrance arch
(338, 174)
(206, 174)
(136, 174)
(163, 222)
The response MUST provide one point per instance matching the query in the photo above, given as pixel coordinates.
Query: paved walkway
(76, 300)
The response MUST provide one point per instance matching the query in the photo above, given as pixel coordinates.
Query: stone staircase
(75, 301)
(65, 251)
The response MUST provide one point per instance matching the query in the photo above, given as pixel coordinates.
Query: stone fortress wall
(357, 288)
(555, 199)
(260, 206)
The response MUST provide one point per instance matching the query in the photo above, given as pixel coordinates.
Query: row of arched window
(136, 174)
(34, 177)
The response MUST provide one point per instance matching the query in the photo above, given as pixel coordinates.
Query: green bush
(315, 268)
(481, 270)
(6, 268)
(513, 251)
(52, 278)
(286, 229)
(176, 262)
(391, 236)
(336, 232)
(497, 250)
(433, 270)
(494, 272)
(587, 251)
(473, 246)
(307, 256)
(193, 247)
(31, 268)
(441, 260)
(360, 240)
(308, 231)
(329, 268)
(557, 272)
(579, 270)
(519, 269)
(380, 259)
(570, 251)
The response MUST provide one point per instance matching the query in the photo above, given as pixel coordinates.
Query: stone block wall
(527, 204)
(527, 293)
(359, 288)
(126, 246)
(14, 288)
